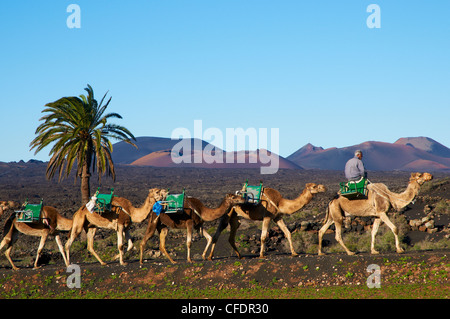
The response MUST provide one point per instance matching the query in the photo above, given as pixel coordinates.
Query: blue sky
(313, 69)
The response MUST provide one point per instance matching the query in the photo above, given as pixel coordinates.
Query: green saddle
(174, 203)
(31, 213)
(354, 189)
(103, 202)
(251, 193)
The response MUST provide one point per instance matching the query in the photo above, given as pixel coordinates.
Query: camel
(193, 216)
(119, 218)
(272, 207)
(379, 200)
(6, 205)
(51, 223)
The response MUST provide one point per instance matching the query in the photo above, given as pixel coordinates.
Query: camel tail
(326, 215)
(152, 217)
(8, 224)
(328, 208)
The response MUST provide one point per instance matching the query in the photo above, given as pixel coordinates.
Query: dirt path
(160, 279)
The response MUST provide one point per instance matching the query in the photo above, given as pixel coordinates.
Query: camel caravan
(179, 211)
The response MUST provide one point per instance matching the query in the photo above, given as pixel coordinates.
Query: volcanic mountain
(124, 153)
(157, 152)
(412, 153)
(408, 154)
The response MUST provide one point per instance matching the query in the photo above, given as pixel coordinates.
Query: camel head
(234, 199)
(420, 178)
(314, 188)
(5, 205)
(158, 194)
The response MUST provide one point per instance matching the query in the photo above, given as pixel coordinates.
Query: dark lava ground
(19, 181)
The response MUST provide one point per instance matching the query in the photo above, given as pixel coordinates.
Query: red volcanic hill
(249, 159)
(156, 151)
(408, 154)
(124, 153)
(426, 144)
(413, 153)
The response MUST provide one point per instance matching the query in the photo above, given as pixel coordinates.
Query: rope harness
(377, 190)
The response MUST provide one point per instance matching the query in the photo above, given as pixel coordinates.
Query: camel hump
(273, 194)
(377, 185)
(120, 201)
(379, 188)
(49, 211)
(193, 200)
(194, 203)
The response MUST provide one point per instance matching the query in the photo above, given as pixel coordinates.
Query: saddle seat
(354, 189)
(251, 193)
(174, 203)
(30, 213)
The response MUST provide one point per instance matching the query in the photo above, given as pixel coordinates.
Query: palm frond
(78, 132)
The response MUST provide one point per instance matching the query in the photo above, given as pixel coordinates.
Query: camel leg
(61, 249)
(287, 234)
(162, 243)
(264, 234)
(8, 256)
(375, 226)
(339, 237)
(90, 245)
(234, 225)
(77, 228)
(129, 240)
(120, 236)
(41, 246)
(148, 234)
(8, 241)
(322, 231)
(394, 230)
(208, 243)
(222, 225)
(189, 228)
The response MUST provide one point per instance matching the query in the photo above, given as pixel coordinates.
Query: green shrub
(302, 241)
(442, 207)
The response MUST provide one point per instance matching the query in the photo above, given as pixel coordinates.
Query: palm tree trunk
(85, 185)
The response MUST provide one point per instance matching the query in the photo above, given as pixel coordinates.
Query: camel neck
(209, 214)
(141, 213)
(412, 190)
(403, 199)
(290, 206)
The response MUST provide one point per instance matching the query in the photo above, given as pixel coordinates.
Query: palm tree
(79, 131)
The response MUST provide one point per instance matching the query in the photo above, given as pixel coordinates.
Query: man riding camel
(354, 168)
